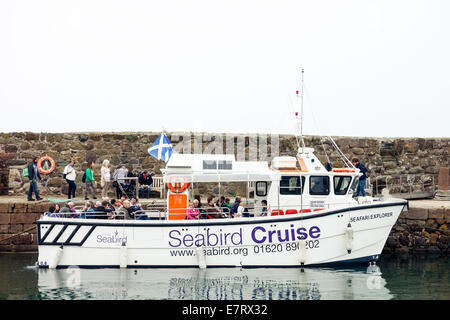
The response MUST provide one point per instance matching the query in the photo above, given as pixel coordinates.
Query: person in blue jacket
(360, 189)
(33, 175)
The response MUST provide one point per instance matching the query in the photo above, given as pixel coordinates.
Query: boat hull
(332, 237)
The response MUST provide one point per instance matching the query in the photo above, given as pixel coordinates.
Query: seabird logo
(111, 238)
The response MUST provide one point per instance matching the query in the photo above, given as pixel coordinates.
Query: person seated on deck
(68, 211)
(227, 204)
(122, 199)
(192, 213)
(51, 212)
(223, 206)
(264, 208)
(87, 212)
(116, 205)
(102, 211)
(235, 206)
(240, 210)
(135, 202)
(110, 206)
(213, 210)
(123, 212)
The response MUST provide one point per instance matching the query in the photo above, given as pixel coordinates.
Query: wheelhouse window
(225, 165)
(261, 188)
(341, 184)
(290, 185)
(354, 184)
(319, 185)
(210, 164)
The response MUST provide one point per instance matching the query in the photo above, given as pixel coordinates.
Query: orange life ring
(49, 170)
(177, 187)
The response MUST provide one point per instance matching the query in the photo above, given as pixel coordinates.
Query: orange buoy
(177, 187)
(46, 170)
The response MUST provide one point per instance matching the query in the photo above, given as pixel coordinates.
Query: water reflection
(211, 284)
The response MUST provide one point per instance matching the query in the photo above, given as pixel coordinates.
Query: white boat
(323, 225)
(312, 220)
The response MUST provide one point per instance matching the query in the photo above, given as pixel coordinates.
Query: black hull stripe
(219, 223)
(60, 234)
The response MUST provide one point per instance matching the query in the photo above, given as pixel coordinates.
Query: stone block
(23, 248)
(5, 247)
(4, 207)
(30, 228)
(20, 207)
(417, 214)
(416, 225)
(444, 179)
(436, 213)
(5, 218)
(25, 238)
(402, 250)
(15, 228)
(447, 215)
(23, 218)
(434, 238)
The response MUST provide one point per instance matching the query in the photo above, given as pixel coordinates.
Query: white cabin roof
(213, 168)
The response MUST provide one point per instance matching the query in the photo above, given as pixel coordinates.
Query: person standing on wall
(70, 176)
(361, 188)
(119, 174)
(33, 175)
(90, 182)
(105, 178)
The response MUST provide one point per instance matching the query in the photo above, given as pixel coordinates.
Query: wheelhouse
(289, 185)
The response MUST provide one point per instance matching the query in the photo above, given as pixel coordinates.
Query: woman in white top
(240, 209)
(105, 177)
(70, 175)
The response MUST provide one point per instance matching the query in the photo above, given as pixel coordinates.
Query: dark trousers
(72, 189)
(118, 192)
(33, 188)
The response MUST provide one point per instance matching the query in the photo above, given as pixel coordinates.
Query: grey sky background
(372, 68)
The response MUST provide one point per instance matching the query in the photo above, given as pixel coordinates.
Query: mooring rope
(14, 235)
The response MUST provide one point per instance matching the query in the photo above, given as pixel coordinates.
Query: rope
(14, 235)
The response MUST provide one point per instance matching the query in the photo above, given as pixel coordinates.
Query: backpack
(25, 172)
(83, 179)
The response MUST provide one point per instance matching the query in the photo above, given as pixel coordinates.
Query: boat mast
(301, 110)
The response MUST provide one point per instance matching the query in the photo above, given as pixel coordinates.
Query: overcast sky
(372, 68)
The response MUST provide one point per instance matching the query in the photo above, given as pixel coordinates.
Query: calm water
(399, 278)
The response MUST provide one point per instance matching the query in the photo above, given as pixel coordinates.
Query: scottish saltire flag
(162, 148)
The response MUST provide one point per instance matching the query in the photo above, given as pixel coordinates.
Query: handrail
(163, 212)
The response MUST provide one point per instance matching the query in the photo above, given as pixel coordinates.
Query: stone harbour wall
(384, 157)
(419, 230)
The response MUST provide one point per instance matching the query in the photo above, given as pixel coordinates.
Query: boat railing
(408, 186)
(160, 212)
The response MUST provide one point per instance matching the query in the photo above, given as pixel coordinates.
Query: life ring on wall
(177, 187)
(46, 169)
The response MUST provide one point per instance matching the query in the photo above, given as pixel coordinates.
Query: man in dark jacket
(102, 211)
(145, 181)
(360, 189)
(33, 175)
(235, 206)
